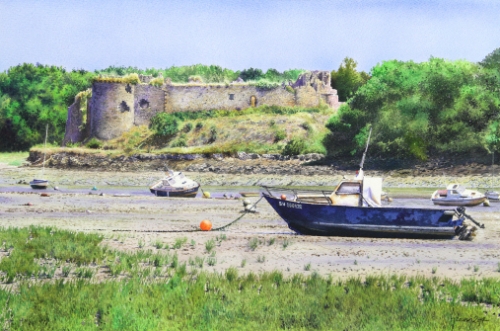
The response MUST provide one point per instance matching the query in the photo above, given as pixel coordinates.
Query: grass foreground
(60, 280)
(14, 158)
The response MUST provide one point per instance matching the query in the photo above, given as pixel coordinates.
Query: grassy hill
(254, 130)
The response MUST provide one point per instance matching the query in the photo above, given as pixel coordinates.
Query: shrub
(188, 127)
(294, 147)
(266, 85)
(179, 142)
(199, 126)
(290, 89)
(94, 143)
(306, 126)
(279, 135)
(195, 79)
(158, 81)
(164, 124)
(213, 134)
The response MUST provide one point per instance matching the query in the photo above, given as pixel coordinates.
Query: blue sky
(280, 34)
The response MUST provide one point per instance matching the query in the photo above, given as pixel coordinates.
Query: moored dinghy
(175, 184)
(457, 195)
(38, 184)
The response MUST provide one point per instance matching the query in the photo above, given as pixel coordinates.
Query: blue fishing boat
(354, 208)
(306, 214)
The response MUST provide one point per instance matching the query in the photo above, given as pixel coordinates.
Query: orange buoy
(283, 197)
(206, 225)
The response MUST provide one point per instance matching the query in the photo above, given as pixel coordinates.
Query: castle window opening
(231, 96)
(144, 104)
(124, 107)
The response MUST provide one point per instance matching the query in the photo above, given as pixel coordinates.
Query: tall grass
(158, 292)
(14, 158)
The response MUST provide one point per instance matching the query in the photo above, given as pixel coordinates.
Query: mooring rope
(221, 228)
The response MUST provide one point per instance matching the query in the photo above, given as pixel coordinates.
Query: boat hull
(330, 220)
(189, 193)
(39, 184)
(466, 202)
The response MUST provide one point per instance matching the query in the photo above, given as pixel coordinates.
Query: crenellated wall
(115, 108)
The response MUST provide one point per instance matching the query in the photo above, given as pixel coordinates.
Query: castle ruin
(114, 108)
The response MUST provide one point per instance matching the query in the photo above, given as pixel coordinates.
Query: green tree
(251, 74)
(492, 60)
(32, 96)
(419, 109)
(346, 80)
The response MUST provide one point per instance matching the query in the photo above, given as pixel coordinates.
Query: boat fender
(45, 195)
(486, 203)
(283, 197)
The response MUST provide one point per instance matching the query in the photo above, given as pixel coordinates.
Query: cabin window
(454, 192)
(348, 188)
(231, 96)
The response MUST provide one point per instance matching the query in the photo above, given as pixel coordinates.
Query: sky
(239, 34)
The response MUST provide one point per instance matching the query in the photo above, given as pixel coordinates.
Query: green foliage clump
(265, 84)
(251, 74)
(164, 124)
(157, 81)
(492, 60)
(290, 89)
(94, 143)
(420, 109)
(132, 78)
(32, 96)
(295, 146)
(279, 135)
(195, 79)
(347, 80)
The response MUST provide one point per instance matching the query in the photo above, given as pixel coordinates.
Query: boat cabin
(363, 192)
(454, 191)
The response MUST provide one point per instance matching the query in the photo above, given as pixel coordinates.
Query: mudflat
(257, 242)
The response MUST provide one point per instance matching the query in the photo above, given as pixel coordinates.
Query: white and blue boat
(175, 184)
(354, 208)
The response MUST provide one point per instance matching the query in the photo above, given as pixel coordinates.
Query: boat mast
(364, 153)
(44, 147)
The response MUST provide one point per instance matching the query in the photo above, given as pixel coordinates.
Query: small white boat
(492, 195)
(457, 195)
(175, 184)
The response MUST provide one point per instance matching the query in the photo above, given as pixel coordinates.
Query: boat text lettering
(290, 205)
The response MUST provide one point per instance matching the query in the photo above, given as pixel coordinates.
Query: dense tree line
(208, 74)
(32, 96)
(421, 109)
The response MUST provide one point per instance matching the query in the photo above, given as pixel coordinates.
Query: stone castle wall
(148, 101)
(230, 97)
(115, 108)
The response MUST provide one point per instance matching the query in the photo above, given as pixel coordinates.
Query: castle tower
(111, 109)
